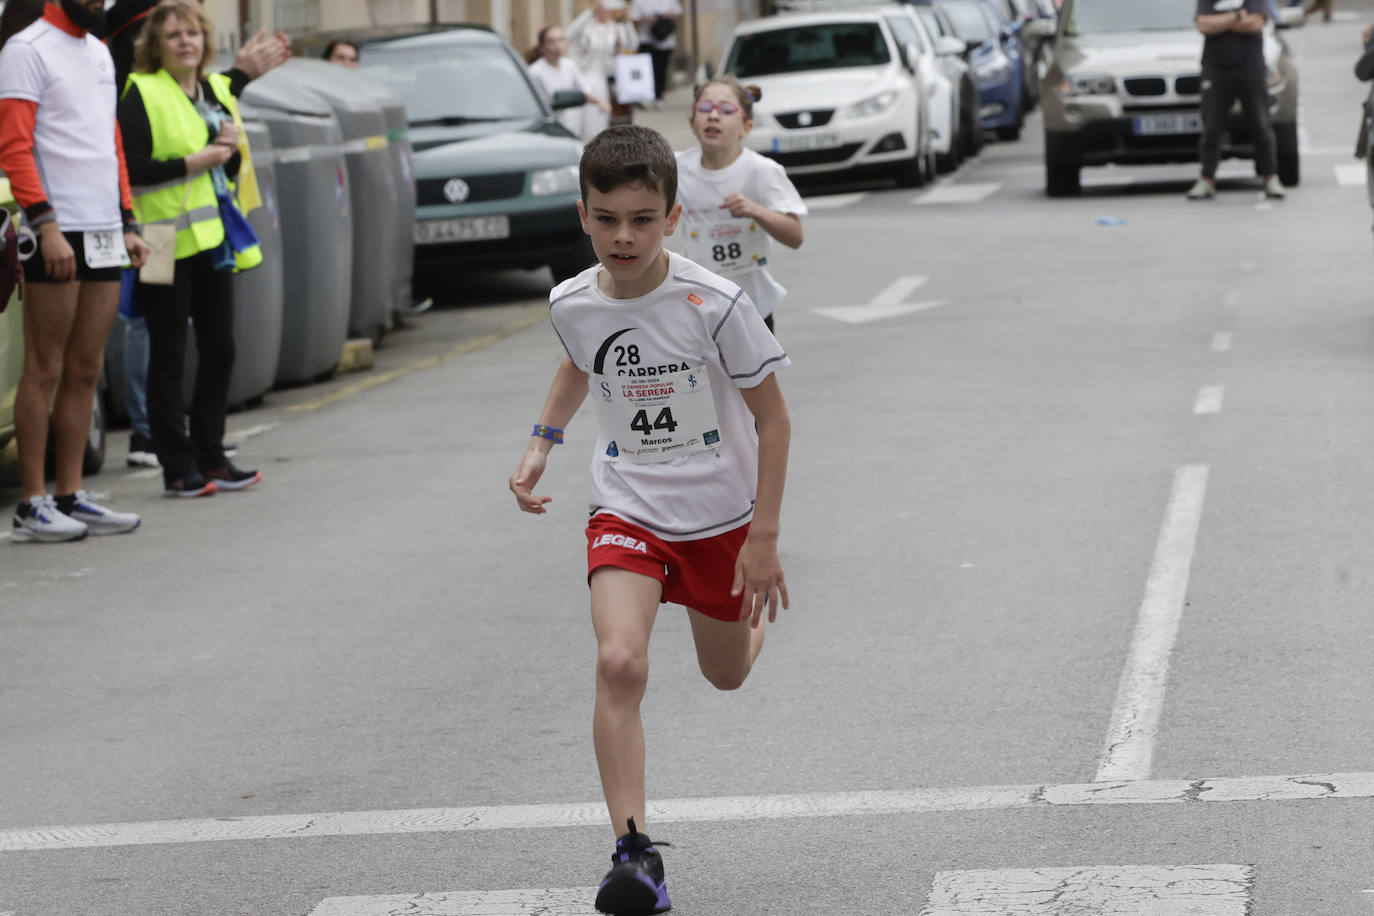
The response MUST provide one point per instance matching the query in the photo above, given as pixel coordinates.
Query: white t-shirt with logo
(735, 248)
(649, 361)
(72, 80)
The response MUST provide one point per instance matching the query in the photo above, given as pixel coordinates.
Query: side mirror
(1042, 29)
(913, 55)
(1290, 17)
(971, 45)
(568, 98)
(949, 46)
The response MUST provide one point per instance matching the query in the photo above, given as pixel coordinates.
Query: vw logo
(456, 190)
(804, 119)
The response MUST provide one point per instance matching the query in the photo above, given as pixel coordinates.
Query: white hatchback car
(839, 93)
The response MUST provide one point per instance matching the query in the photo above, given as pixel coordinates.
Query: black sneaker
(141, 452)
(635, 885)
(192, 483)
(232, 478)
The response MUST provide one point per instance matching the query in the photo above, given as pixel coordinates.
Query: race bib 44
(656, 418)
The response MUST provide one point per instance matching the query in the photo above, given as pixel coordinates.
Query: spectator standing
(341, 52)
(595, 37)
(554, 71)
(1233, 68)
(657, 21)
(59, 147)
(182, 143)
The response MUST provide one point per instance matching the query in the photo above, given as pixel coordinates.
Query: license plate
(468, 229)
(1155, 125)
(805, 142)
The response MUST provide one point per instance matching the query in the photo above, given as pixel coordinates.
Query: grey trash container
(376, 216)
(403, 176)
(316, 224)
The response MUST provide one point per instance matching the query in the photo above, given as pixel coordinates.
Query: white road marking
(145, 474)
(249, 432)
(887, 304)
(553, 901)
(1221, 342)
(1304, 138)
(957, 194)
(1350, 176)
(1209, 399)
(1129, 750)
(1264, 206)
(694, 810)
(1326, 150)
(1102, 890)
(834, 201)
(1101, 179)
(1345, 16)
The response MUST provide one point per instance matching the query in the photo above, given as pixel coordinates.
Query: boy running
(685, 494)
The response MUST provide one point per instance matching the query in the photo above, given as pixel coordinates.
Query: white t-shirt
(567, 77)
(648, 9)
(707, 233)
(72, 80)
(694, 322)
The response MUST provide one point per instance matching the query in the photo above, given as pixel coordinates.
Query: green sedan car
(495, 173)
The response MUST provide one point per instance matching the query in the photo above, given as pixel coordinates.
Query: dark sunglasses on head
(706, 106)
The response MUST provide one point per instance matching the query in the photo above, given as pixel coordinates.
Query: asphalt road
(1077, 549)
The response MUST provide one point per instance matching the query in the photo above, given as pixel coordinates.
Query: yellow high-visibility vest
(178, 130)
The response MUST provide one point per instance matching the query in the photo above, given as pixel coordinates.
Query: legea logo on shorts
(620, 540)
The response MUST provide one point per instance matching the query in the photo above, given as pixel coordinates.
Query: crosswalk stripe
(695, 810)
(1350, 175)
(554, 901)
(957, 194)
(1104, 890)
(834, 201)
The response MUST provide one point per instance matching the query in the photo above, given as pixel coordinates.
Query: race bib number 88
(657, 418)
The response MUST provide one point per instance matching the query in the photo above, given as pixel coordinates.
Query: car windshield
(454, 85)
(812, 47)
(1091, 17)
(969, 21)
(932, 22)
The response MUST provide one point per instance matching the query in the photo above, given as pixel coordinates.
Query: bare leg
(85, 357)
(49, 309)
(624, 605)
(726, 650)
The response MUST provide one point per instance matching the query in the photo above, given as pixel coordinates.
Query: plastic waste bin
(316, 223)
(377, 217)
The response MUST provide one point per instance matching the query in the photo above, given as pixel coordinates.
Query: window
(815, 47)
(454, 85)
(907, 33)
(1095, 16)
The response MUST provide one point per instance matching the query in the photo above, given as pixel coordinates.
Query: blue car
(995, 57)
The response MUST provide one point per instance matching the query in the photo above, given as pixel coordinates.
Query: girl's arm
(758, 570)
(566, 394)
(785, 227)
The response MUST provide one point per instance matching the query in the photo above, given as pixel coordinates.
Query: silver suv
(1124, 87)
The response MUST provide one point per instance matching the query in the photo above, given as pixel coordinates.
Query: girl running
(734, 201)
(555, 71)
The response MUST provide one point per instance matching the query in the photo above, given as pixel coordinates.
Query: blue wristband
(551, 433)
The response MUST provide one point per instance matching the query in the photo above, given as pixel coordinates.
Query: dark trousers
(206, 297)
(661, 61)
(1220, 89)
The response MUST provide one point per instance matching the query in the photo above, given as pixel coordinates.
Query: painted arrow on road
(887, 304)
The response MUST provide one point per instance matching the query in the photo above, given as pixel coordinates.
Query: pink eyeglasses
(706, 106)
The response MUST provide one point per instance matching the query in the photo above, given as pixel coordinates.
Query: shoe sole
(142, 460)
(208, 490)
(629, 896)
(100, 530)
(237, 484)
(25, 536)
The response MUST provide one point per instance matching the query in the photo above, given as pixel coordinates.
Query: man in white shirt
(657, 22)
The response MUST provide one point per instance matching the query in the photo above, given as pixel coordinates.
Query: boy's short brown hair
(625, 154)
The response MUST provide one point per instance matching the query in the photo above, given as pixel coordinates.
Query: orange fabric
(126, 194)
(18, 118)
(53, 13)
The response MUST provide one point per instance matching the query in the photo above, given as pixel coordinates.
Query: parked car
(954, 60)
(839, 93)
(1125, 87)
(1012, 16)
(996, 65)
(953, 95)
(495, 173)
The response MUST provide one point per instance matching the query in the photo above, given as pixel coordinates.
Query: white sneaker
(1273, 188)
(101, 520)
(38, 520)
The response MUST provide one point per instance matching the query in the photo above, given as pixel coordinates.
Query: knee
(81, 373)
(726, 678)
(622, 669)
(43, 370)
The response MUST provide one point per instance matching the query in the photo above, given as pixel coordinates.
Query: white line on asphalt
(1350, 176)
(887, 304)
(551, 901)
(249, 432)
(1325, 150)
(957, 194)
(1103, 890)
(695, 810)
(1264, 206)
(1130, 742)
(145, 474)
(1209, 399)
(1221, 342)
(834, 201)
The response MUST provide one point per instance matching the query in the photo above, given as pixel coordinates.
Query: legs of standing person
(624, 606)
(49, 310)
(166, 310)
(1254, 101)
(136, 374)
(82, 363)
(212, 312)
(1218, 94)
(661, 60)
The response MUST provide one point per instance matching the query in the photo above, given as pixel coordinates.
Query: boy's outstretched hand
(758, 579)
(525, 477)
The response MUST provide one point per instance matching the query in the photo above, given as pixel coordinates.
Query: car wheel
(973, 125)
(1062, 167)
(1010, 132)
(1286, 141)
